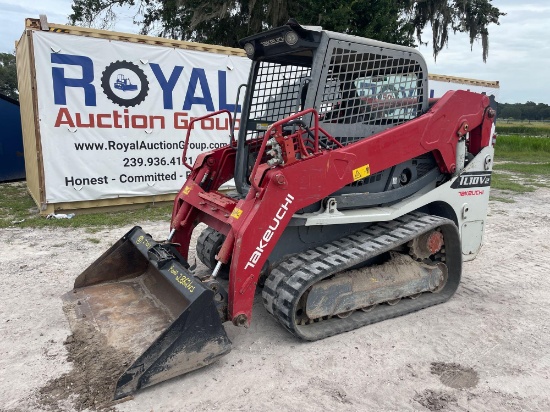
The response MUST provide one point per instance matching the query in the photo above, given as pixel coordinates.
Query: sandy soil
(486, 349)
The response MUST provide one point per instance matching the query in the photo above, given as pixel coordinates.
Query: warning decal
(236, 213)
(361, 172)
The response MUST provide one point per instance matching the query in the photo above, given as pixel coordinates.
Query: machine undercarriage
(386, 270)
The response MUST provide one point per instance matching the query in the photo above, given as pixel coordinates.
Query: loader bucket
(145, 304)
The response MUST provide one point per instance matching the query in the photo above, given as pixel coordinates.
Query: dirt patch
(91, 382)
(454, 375)
(435, 400)
(496, 323)
(329, 388)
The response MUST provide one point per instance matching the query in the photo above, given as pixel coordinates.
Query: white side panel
(471, 237)
(469, 201)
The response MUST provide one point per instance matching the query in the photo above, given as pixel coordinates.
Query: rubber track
(294, 276)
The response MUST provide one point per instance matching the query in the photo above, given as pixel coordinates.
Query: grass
(541, 169)
(17, 209)
(504, 182)
(522, 148)
(522, 163)
(501, 199)
(523, 128)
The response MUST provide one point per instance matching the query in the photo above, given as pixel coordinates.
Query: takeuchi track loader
(357, 200)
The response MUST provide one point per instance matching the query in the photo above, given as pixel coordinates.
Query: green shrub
(522, 148)
(523, 128)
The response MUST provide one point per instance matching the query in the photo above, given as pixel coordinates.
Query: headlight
(249, 49)
(291, 38)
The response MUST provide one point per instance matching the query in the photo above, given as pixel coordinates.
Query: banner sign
(438, 88)
(113, 115)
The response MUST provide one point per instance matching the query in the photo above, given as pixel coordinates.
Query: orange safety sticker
(236, 213)
(361, 172)
(187, 190)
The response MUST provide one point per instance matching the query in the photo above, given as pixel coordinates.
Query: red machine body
(253, 225)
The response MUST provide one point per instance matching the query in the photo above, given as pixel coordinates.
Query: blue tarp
(12, 160)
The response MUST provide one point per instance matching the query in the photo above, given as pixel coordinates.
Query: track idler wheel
(426, 245)
(209, 244)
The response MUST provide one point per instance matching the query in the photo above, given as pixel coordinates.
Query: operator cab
(358, 86)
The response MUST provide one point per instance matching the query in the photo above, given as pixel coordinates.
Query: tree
(509, 111)
(8, 76)
(224, 22)
(529, 111)
(465, 16)
(524, 111)
(376, 19)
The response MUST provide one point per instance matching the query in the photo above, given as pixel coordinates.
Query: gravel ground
(486, 349)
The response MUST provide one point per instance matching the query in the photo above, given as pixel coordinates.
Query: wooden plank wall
(463, 80)
(29, 120)
(120, 203)
(137, 38)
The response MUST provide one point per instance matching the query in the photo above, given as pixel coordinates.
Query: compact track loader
(357, 200)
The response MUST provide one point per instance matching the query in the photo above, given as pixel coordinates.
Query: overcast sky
(519, 49)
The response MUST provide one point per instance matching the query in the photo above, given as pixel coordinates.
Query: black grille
(370, 88)
(275, 94)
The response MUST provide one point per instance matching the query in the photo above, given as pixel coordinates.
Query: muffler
(144, 302)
